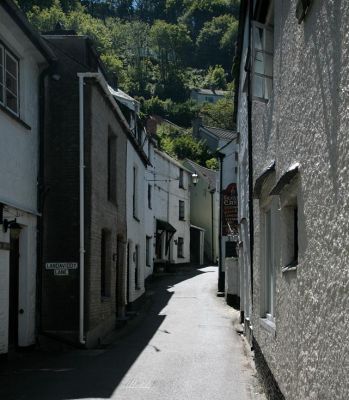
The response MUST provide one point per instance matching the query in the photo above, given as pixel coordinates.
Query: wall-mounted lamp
(6, 224)
(194, 178)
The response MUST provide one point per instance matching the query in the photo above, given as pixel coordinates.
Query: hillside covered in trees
(156, 50)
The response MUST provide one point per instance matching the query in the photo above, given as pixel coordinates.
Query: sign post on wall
(230, 210)
(61, 268)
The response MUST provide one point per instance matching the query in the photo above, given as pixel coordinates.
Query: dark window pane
(11, 65)
(11, 83)
(11, 102)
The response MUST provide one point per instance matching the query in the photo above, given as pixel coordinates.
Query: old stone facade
(293, 100)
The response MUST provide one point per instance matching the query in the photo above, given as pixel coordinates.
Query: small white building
(207, 95)
(24, 58)
(172, 210)
(139, 200)
(204, 206)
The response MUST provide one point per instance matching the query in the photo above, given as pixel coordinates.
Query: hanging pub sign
(230, 210)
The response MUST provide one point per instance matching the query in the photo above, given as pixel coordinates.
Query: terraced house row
(88, 205)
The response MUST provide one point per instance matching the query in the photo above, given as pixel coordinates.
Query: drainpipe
(212, 222)
(82, 211)
(221, 276)
(40, 192)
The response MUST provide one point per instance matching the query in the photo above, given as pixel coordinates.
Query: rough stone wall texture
(101, 213)
(243, 186)
(306, 121)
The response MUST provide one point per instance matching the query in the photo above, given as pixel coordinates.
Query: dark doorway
(194, 246)
(13, 294)
(128, 273)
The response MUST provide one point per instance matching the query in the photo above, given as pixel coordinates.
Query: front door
(13, 294)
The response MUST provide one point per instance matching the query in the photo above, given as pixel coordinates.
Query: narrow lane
(185, 347)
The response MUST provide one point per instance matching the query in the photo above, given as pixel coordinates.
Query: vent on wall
(303, 7)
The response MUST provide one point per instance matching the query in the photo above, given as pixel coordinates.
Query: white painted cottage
(139, 201)
(172, 210)
(24, 59)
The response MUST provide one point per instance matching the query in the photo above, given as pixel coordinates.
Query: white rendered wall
(136, 232)
(167, 195)
(150, 222)
(307, 121)
(18, 181)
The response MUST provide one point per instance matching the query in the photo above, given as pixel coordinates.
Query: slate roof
(209, 174)
(221, 133)
(20, 19)
(210, 92)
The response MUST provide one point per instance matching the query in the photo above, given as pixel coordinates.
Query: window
(180, 244)
(148, 251)
(302, 9)
(105, 264)
(112, 192)
(263, 49)
(149, 196)
(290, 218)
(181, 210)
(135, 193)
(8, 80)
(269, 271)
(181, 178)
(136, 260)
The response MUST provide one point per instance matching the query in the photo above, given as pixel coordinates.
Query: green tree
(216, 78)
(218, 114)
(200, 11)
(170, 45)
(216, 42)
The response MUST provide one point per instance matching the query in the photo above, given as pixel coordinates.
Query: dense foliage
(158, 49)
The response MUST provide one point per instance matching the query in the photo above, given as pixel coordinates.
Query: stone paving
(184, 347)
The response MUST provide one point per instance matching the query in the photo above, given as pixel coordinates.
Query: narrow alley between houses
(183, 345)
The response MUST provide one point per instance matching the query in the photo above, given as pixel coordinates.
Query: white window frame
(135, 193)
(148, 251)
(181, 216)
(180, 247)
(268, 269)
(266, 54)
(6, 53)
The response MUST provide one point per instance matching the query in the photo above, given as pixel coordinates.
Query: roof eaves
(34, 36)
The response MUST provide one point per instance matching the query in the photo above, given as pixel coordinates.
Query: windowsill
(290, 267)
(15, 117)
(260, 99)
(180, 257)
(181, 219)
(138, 288)
(268, 325)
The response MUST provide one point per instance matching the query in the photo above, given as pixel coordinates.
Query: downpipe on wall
(82, 339)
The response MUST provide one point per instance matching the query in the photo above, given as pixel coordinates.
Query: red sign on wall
(230, 210)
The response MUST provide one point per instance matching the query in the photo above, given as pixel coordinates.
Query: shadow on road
(86, 374)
